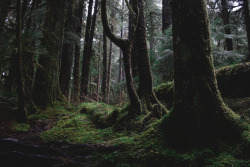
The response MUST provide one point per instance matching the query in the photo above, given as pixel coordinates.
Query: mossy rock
(165, 93)
(234, 81)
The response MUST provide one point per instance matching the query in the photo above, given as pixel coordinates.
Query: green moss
(56, 111)
(165, 93)
(101, 114)
(20, 127)
(78, 129)
(150, 149)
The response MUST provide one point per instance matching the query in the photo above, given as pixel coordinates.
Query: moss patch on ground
(20, 127)
(101, 114)
(58, 110)
(84, 125)
(81, 124)
(149, 149)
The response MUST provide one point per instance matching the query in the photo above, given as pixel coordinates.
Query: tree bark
(166, 15)
(105, 68)
(199, 112)
(4, 7)
(145, 89)
(76, 73)
(67, 52)
(109, 69)
(66, 68)
(247, 22)
(98, 75)
(125, 45)
(46, 81)
(89, 35)
(134, 55)
(226, 22)
(21, 105)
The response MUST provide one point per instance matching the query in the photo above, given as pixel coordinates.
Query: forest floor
(84, 135)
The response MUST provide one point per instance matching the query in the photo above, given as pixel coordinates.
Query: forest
(124, 83)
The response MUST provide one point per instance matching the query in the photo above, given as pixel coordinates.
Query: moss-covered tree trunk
(198, 111)
(134, 57)
(126, 46)
(76, 72)
(145, 89)
(46, 82)
(166, 15)
(89, 35)
(68, 50)
(247, 22)
(225, 18)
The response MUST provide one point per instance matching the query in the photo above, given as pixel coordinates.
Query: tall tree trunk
(10, 82)
(68, 51)
(120, 57)
(227, 29)
(247, 22)
(105, 68)
(151, 32)
(21, 105)
(66, 68)
(98, 75)
(134, 56)
(4, 7)
(76, 73)
(25, 5)
(29, 47)
(46, 82)
(125, 45)
(199, 112)
(166, 15)
(109, 69)
(145, 89)
(89, 35)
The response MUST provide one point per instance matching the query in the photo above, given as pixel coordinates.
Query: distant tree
(227, 28)
(89, 35)
(166, 15)
(145, 89)
(105, 68)
(4, 7)
(68, 49)
(21, 105)
(247, 22)
(109, 69)
(46, 85)
(76, 72)
(199, 112)
(134, 64)
(126, 46)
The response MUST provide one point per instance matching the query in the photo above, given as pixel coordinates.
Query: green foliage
(224, 58)
(20, 127)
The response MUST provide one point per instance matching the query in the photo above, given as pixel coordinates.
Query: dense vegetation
(125, 83)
